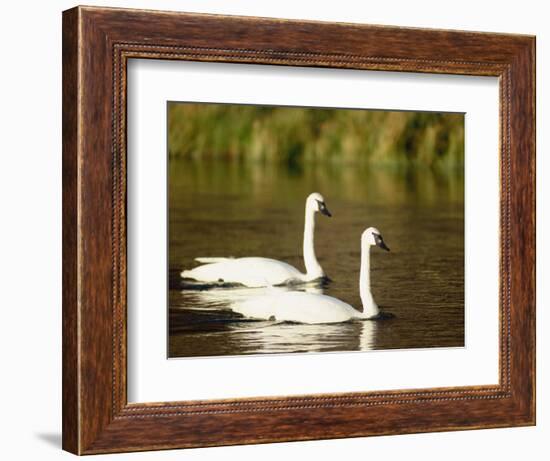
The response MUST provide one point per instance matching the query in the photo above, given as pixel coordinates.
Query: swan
(261, 272)
(312, 308)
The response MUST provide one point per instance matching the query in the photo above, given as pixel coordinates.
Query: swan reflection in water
(211, 310)
(284, 337)
(227, 296)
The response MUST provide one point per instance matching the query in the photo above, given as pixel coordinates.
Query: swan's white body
(261, 272)
(298, 306)
(251, 272)
(313, 308)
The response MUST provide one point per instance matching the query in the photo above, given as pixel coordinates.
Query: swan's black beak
(380, 242)
(323, 209)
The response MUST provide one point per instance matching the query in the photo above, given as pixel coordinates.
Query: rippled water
(230, 209)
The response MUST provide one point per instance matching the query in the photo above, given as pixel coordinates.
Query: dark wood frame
(97, 43)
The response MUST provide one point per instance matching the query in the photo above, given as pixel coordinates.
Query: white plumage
(314, 308)
(257, 271)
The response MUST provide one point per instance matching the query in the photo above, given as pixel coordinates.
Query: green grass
(296, 135)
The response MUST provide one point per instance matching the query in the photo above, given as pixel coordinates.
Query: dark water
(220, 208)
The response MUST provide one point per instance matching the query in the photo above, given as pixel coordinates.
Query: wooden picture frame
(97, 43)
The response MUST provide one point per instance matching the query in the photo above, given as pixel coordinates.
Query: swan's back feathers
(251, 272)
(297, 306)
(207, 260)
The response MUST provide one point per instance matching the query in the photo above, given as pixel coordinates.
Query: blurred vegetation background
(294, 135)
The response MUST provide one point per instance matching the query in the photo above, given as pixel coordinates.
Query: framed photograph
(284, 230)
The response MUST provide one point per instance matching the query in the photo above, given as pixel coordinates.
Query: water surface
(224, 208)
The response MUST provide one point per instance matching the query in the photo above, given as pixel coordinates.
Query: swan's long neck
(370, 308)
(313, 268)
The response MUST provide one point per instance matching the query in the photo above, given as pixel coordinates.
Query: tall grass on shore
(294, 135)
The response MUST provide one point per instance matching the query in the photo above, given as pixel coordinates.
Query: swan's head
(316, 202)
(371, 237)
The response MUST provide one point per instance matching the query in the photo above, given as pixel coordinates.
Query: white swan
(302, 307)
(258, 272)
